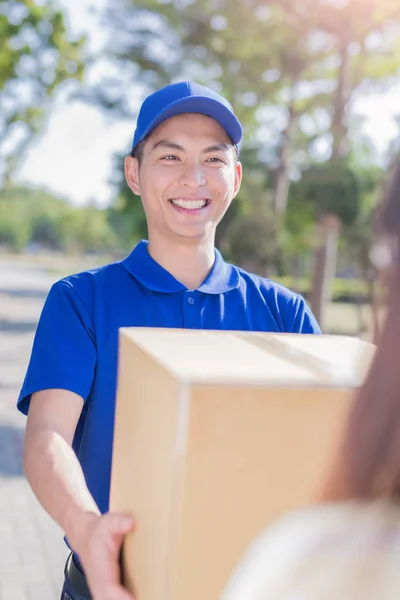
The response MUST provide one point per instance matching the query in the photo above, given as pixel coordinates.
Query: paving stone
(32, 550)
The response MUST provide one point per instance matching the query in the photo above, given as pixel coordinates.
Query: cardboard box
(216, 435)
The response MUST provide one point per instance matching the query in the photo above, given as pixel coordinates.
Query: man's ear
(132, 174)
(238, 178)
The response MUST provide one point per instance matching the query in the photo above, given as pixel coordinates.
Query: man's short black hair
(138, 151)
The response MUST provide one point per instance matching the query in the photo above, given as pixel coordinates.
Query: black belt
(77, 578)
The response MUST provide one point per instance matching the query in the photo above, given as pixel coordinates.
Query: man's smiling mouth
(190, 204)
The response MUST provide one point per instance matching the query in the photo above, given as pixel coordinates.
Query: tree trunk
(296, 273)
(339, 122)
(326, 252)
(379, 287)
(325, 265)
(375, 309)
(282, 178)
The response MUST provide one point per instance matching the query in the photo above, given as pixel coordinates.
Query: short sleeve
(304, 320)
(64, 350)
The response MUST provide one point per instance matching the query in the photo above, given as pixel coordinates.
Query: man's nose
(193, 175)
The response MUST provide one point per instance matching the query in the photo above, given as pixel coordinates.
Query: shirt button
(190, 300)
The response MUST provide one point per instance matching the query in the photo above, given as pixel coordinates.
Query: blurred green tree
(292, 71)
(34, 217)
(366, 41)
(36, 55)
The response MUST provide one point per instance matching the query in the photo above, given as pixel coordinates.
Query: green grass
(348, 319)
(341, 287)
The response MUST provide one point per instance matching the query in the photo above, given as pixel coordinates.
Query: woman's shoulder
(309, 547)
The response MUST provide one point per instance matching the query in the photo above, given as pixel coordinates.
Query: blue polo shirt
(76, 342)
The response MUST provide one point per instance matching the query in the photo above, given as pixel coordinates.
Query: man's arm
(56, 477)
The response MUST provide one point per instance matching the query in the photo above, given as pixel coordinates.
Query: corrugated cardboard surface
(216, 435)
(254, 357)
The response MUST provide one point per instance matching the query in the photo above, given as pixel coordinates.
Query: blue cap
(186, 97)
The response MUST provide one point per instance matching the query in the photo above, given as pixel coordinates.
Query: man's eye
(169, 157)
(215, 159)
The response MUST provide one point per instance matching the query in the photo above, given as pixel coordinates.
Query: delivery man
(185, 167)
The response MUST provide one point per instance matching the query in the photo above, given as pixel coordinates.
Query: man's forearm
(57, 480)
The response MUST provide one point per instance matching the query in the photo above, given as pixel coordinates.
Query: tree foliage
(291, 69)
(34, 218)
(36, 55)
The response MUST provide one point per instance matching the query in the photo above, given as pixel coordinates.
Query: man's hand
(99, 549)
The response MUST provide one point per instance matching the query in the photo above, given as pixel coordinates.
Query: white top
(348, 551)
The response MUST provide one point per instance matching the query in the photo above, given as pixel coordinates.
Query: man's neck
(188, 262)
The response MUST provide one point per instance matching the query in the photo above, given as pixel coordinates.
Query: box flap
(276, 359)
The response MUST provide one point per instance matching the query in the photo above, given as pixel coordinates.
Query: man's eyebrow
(218, 148)
(167, 144)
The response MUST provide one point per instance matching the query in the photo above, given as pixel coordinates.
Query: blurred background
(316, 84)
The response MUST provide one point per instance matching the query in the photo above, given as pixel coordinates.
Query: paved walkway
(32, 551)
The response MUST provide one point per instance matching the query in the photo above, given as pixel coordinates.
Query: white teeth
(189, 204)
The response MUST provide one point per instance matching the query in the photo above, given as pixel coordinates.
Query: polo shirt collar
(222, 278)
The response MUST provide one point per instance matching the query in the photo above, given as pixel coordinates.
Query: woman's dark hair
(368, 463)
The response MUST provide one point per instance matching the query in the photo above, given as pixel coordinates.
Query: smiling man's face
(187, 178)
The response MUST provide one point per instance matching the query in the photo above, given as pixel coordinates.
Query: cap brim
(204, 106)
